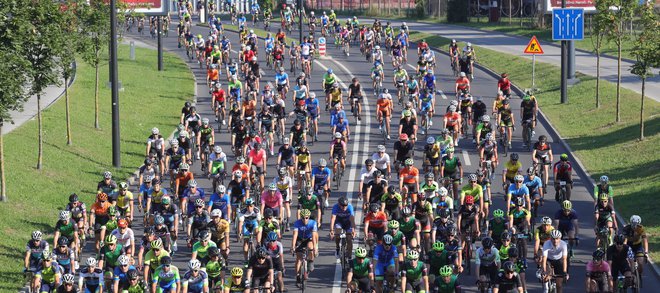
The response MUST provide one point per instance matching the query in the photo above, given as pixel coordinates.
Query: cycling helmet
(205, 121)
(438, 246)
(403, 136)
(360, 252)
(323, 162)
(192, 183)
(46, 255)
(261, 252)
(238, 173)
(446, 271)
(392, 189)
(506, 235)
(132, 274)
(530, 171)
(480, 173)
(546, 221)
(65, 215)
(381, 148)
(102, 197)
(329, 70)
(73, 198)
(519, 178)
(469, 200)
(123, 260)
(194, 264)
(393, 224)
(184, 166)
(110, 239)
(487, 242)
(406, 211)
(452, 231)
(563, 157)
(272, 187)
(387, 91)
(369, 162)
(216, 213)
(443, 213)
(498, 213)
(199, 202)
(268, 213)
(452, 108)
(217, 149)
(374, 207)
(429, 175)
(430, 140)
(122, 223)
(183, 133)
(508, 267)
(343, 201)
(443, 191)
(619, 238)
(272, 236)
(213, 251)
(157, 244)
(174, 142)
(520, 201)
(514, 157)
(221, 189)
(166, 260)
(412, 255)
(409, 162)
(635, 220)
(67, 279)
(555, 234)
(472, 177)
(388, 239)
(544, 138)
(149, 231)
(305, 213)
(485, 118)
(462, 74)
(62, 241)
(249, 202)
(112, 211)
(107, 175)
(159, 220)
(91, 262)
(407, 113)
(603, 197)
(240, 160)
(604, 179)
(598, 255)
(567, 205)
(338, 135)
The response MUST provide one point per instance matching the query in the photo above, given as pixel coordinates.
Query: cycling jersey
(487, 259)
(474, 191)
(202, 250)
(543, 234)
(166, 279)
(311, 203)
(321, 175)
(409, 174)
(305, 231)
(49, 274)
(195, 283)
(412, 272)
(376, 220)
(451, 165)
(512, 169)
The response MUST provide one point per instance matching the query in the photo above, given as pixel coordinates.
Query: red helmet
(102, 197)
(122, 223)
(403, 136)
(469, 199)
(301, 102)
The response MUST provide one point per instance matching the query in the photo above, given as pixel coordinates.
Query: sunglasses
(306, 218)
(473, 181)
(156, 249)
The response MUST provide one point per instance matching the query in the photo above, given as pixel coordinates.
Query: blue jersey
(225, 44)
(381, 255)
(518, 192)
(426, 101)
(220, 202)
(281, 78)
(192, 197)
(321, 175)
(195, 284)
(533, 184)
(403, 38)
(120, 276)
(429, 80)
(305, 231)
(312, 106)
(334, 116)
(270, 43)
(341, 127)
(343, 215)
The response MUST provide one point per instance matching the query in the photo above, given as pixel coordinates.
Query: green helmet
(360, 252)
(438, 246)
(158, 244)
(498, 213)
(110, 239)
(446, 271)
(305, 213)
(567, 205)
(393, 224)
(112, 210)
(413, 255)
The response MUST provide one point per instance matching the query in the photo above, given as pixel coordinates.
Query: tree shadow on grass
(623, 135)
(89, 159)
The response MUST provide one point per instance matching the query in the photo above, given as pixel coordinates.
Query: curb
(583, 173)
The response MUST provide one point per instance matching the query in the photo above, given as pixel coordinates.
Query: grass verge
(150, 99)
(604, 147)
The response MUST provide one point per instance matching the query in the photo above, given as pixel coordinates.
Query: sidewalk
(509, 44)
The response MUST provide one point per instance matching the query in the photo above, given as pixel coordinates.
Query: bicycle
(29, 278)
(564, 191)
(346, 48)
(485, 286)
(383, 130)
(503, 139)
(527, 134)
(426, 125)
(339, 174)
(301, 280)
(521, 243)
(468, 250)
(488, 168)
(378, 85)
(465, 123)
(603, 237)
(342, 253)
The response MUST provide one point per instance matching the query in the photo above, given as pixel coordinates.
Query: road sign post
(533, 47)
(322, 46)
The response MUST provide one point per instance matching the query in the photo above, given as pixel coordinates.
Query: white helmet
(312, 13)
(377, 47)
(217, 149)
(221, 189)
(635, 220)
(64, 215)
(338, 135)
(443, 191)
(469, 44)
(124, 260)
(91, 262)
(216, 212)
(155, 130)
(462, 74)
(194, 264)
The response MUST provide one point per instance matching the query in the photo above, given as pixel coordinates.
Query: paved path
(50, 95)
(585, 62)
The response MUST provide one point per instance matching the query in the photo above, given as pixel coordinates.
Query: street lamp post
(114, 80)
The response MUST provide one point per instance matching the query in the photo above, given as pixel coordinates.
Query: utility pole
(564, 66)
(160, 44)
(300, 21)
(114, 79)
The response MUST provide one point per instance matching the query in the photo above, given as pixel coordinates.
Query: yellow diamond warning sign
(533, 47)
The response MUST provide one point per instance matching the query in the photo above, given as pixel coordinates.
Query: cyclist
(298, 134)
(219, 230)
(375, 225)
(484, 182)
(154, 258)
(260, 270)
(275, 252)
(528, 109)
(384, 111)
(462, 85)
(343, 218)
(424, 214)
(360, 275)
(329, 79)
(410, 226)
(603, 187)
(66, 229)
(271, 199)
(445, 141)
(409, 181)
(599, 276)
(504, 85)
(518, 190)
(452, 121)
(195, 279)
(487, 262)
(497, 226)
(375, 188)
(284, 184)
(338, 149)
(257, 161)
(566, 221)
(120, 274)
(426, 106)
(542, 154)
(468, 218)
(442, 222)
(512, 168)
(469, 55)
(414, 274)
(508, 280)
(519, 218)
(91, 277)
(637, 239)
(476, 191)
(321, 184)
(399, 80)
(216, 165)
(387, 262)
(312, 105)
(452, 168)
(620, 258)
(555, 257)
(448, 281)
(382, 161)
(505, 118)
(562, 172)
(305, 235)
(78, 213)
(355, 97)
(48, 275)
(605, 218)
(166, 277)
(98, 216)
(534, 185)
(248, 222)
(183, 177)
(307, 199)
(403, 150)
(413, 89)
(541, 235)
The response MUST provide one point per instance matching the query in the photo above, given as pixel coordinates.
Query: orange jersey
(101, 209)
(384, 104)
(243, 167)
(182, 180)
(249, 107)
(213, 74)
(452, 118)
(377, 220)
(409, 174)
(463, 83)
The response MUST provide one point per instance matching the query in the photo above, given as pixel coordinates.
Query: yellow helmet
(236, 272)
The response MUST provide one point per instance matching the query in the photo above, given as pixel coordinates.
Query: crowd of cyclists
(421, 228)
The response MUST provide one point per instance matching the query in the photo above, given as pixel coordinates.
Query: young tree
(70, 28)
(95, 37)
(646, 51)
(603, 22)
(41, 51)
(618, 34)
(13, 70)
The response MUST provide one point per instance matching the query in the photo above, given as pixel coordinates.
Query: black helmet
(132, 274)
(514, 157)
(487, 242)
(166, 260)
(513, 252)
(444, 213)
(369, 162)
(543, 138)
(598, 254)
(187, 104)
(214, 251)
(508, 267)
(62, 241)
(619, 238)
(261, 252)
(374, 207)
(406, 211)
(73, 198)
(149, 231)
(343, 201)
(268, 213)
(505, 235)
(377, 173)
(392, 189)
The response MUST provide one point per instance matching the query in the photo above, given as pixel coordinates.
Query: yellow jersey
(512, 169)
(123, 201)
(335, 95)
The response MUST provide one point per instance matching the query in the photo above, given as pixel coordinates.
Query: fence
(373, 7)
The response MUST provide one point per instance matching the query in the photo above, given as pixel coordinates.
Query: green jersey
(110, 256)
(450, 165)
(140, 287)
(237, 84)
(266, 227)
(408, 225)
(398, 237)
(214, 268)
(360, 270)
(438, 260)
(329, 79)
(444, 142)
(66, 229)
(166, 277)
(446, 287)
(413, 272)
(504, 253)
(202, 251)
(49, 274)
(497, 228)
(312, 204)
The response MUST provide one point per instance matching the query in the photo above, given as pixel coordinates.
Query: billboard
(587, 5)
(148, 7)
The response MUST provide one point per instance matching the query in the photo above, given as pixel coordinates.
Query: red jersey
(377, 220)
(248, 55)
(462, 83)
(503, 84)
(219, 96)
(243, 167)
(562, 170)
(452, 118)
(423, 46)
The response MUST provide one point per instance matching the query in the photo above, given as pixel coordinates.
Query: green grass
(608, 48)
(603, 146)
(150, 98)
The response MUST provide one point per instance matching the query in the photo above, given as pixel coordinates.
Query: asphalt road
(365, 137)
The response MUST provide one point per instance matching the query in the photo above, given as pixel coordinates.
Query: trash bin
(494, 13)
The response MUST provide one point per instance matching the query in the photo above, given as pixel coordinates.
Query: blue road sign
(567, 24)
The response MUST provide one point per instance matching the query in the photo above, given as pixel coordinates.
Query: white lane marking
(466, 158)
(442, 94)
(413, 67)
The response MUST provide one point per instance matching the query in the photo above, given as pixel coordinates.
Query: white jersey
(367, 175)
(369, 35)
(381, 162)
(554, 253)
(305, 48)
(124, 239)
